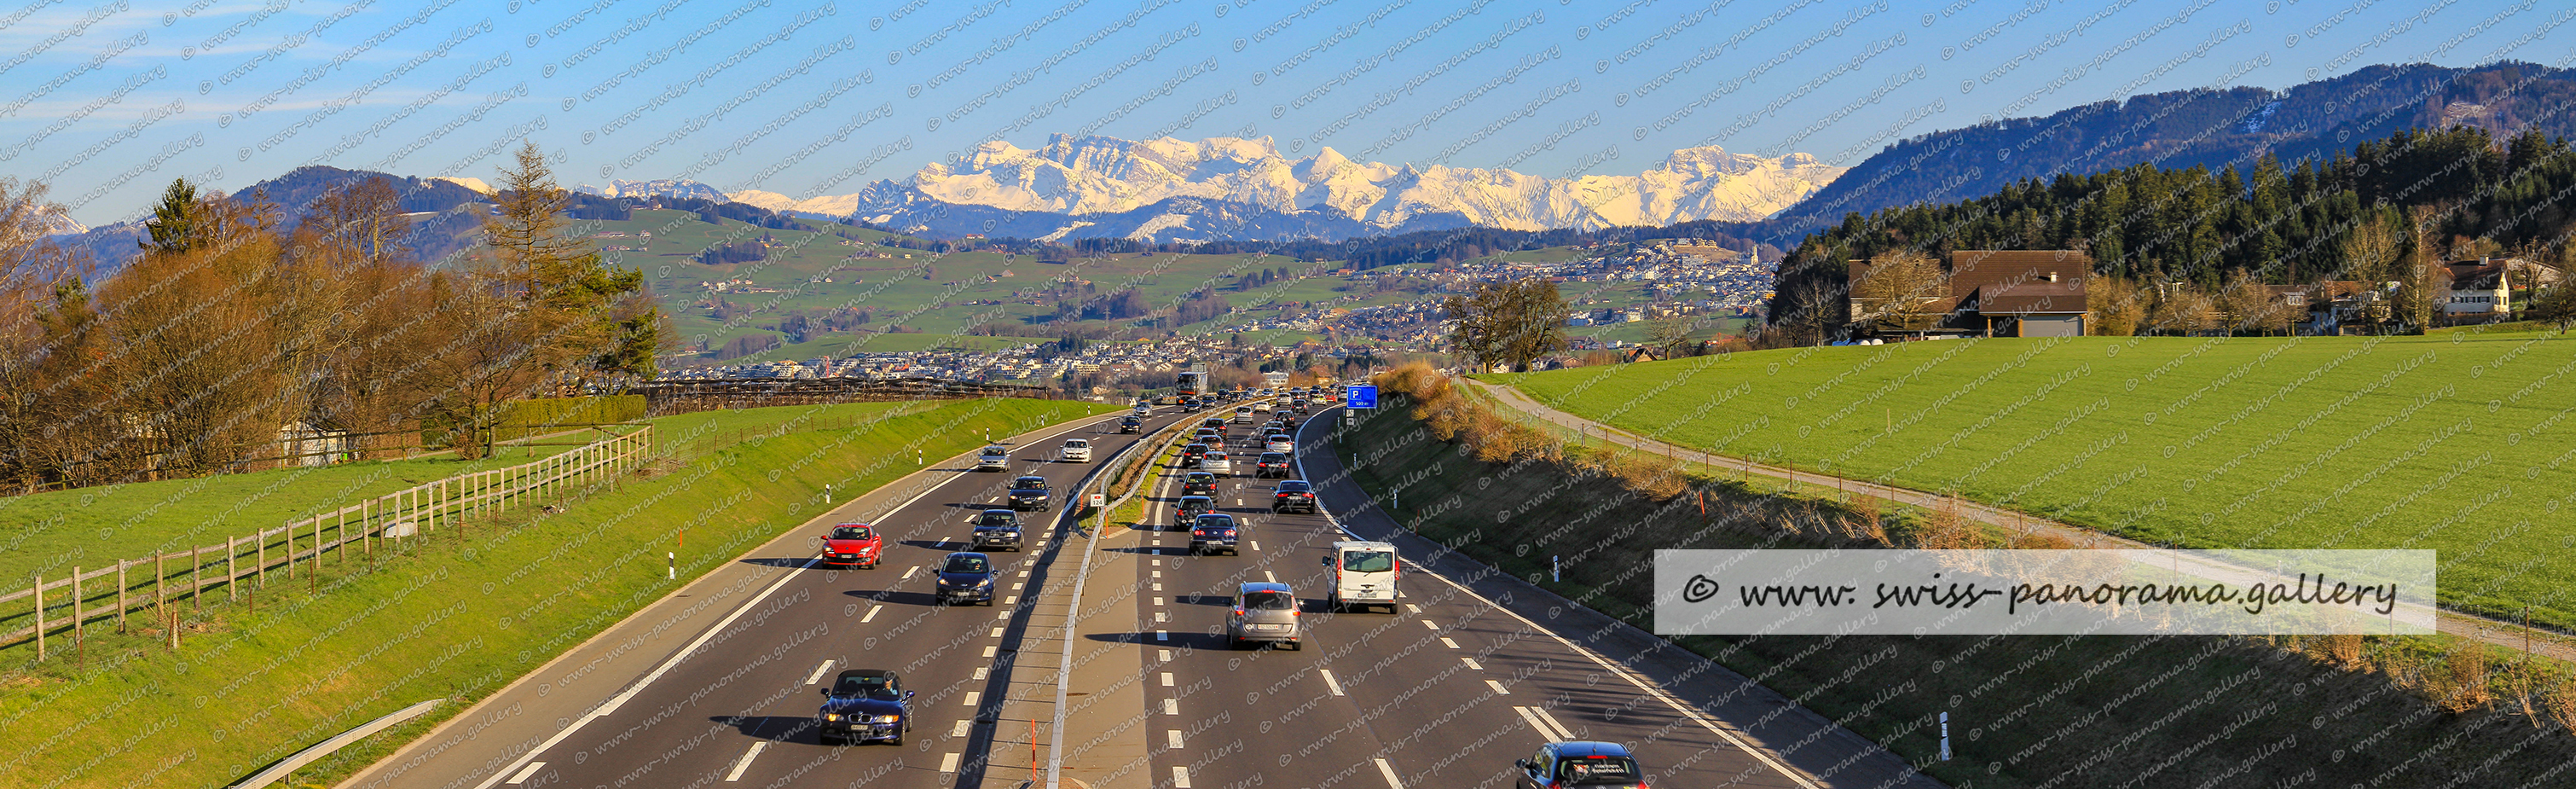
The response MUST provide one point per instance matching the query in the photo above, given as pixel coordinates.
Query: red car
(853, 544)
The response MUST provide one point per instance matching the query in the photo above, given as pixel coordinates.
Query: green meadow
(2459, 442)
(468, 611)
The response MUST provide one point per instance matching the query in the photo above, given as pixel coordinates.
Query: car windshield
(1585, 770)
(851, 533)
(1028, 483)
(872, 687)
(965, 564)
(1368, 561)
(995, 450)
(1269, 600)
(1077, 444)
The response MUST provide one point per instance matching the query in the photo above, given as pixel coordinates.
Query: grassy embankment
(458, 615)
(2026, 711)
(2456, 442)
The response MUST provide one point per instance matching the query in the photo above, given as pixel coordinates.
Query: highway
(1445, 692)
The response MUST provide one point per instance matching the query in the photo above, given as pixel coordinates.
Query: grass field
(2037, 712)
(2457, 442)
(465, 612)
(91, 527)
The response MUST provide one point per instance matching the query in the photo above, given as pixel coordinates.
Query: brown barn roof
(2020, 282)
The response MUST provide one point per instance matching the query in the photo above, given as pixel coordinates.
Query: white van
(1363, 575)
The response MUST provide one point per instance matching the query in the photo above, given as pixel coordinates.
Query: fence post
(120, 595)
(38, 591)
(232, 576)
(77, 630)
(197, 577)
(160, 584)
(262, 538)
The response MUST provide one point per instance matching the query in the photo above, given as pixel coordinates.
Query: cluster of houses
(2041, 293)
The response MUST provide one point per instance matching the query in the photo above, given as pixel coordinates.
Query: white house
(2478, 288)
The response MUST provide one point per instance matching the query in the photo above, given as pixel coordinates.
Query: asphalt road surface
(1462, 679)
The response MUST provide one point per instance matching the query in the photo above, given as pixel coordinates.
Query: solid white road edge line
(674, 660)
(1615, 669)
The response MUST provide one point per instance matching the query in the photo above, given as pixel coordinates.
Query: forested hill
(2454, 193)
(2179, 130)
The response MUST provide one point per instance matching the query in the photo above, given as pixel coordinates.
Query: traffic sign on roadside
(1360, 396)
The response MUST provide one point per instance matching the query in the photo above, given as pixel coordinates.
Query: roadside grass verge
(52, 532)
(2458, 442)
(459, 614)
(2030, 711)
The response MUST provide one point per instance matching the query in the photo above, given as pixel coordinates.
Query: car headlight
(889, 718)
(984, 583)
(830, 717)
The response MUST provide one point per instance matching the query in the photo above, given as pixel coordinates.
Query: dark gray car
(1265, 612)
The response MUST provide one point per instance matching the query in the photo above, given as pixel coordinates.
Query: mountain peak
(1095, 174)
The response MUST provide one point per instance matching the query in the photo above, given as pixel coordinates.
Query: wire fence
(65, 607)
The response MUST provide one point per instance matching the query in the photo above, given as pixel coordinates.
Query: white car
(1243, 415)
(1215, 462)
(1261, 407)
(993, 458)
(1076, 450)
(1279, 442)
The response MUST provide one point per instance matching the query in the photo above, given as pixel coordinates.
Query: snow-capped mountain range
(1226, 187)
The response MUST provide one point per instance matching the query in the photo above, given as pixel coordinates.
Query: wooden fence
(65, 607)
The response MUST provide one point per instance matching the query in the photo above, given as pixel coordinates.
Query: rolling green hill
(2458, 442)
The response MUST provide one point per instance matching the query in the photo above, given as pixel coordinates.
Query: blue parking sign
(1362, 396)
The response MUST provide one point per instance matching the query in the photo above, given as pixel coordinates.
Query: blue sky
(108, 101)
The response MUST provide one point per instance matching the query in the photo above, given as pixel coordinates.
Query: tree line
(237, 322)
(2389, 211)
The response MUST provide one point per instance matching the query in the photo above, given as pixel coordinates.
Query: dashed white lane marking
(1412, 609)
(1011, 600)
(960, 729)
(1002, 614)
(1023, 574)
(1427, 623)
(948, 763)
(744, 763)
(1180, 777)
(1471, 664)
(872, 613)
(1158, 573)
(997, 632)
(1158, 562)
(1170, 707)
(1330, 683)
(1444, 641)
(1166, 655)
(817, 676)
(983, 671)
(1499, 690)
(522, 777)
(1173, 736)
(1158, 586)
(1267, 575)
(1546, 724)
(908, 571)
(1256, 544)
(1389, 771)
(1161, 617)
(1167, 679)
(1017, 586)
(973, 696)
(988, 651)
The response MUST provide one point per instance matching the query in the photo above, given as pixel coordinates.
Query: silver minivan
(1265, 611)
